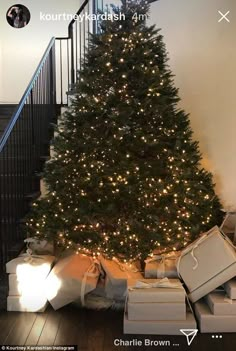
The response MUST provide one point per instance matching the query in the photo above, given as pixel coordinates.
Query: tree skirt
(96, 302)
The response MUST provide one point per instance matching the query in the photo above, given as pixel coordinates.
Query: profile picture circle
(18, 16)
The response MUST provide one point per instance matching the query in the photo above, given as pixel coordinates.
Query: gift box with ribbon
(210, 323)
(41, 264)
(157, 291)
(116, 292)
(71, 279)
(220, 304)
(207, 263)
(160, 266)
(27, 277)
(158, 300)
(42, 247)
(117, 277)
(230, 288)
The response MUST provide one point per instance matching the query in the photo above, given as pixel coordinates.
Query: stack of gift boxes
(206, 265)
(157, 307)
(27, 277)
(217, 311)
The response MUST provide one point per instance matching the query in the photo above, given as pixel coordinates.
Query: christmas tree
(126, 175)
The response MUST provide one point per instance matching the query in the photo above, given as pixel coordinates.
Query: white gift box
(71, 278)
(230, 288)
(27, 303)
(171, 311)
(117, 276)
(115, 292)
(42, 247)
(14, 286)
(23, 265)
(162, 294)
(26, 287)
(161, 266)
(159, 327)
(207, 263)
(27, 277)
(220, 304)
(210, 323)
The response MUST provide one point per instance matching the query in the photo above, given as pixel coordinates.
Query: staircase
(6, 112)
(26, 129)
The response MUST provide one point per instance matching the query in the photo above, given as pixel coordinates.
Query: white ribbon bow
(170, 256)
(29, 257)
(161, 258)
(163, 283)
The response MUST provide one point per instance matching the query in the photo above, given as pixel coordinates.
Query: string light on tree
(126, 177)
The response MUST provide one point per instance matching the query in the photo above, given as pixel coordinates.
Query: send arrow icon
(190, 334)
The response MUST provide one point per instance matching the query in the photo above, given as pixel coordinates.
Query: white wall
(0, 66)
(23, 48)
(203, 57)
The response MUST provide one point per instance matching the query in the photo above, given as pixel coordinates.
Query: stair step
(7, 107)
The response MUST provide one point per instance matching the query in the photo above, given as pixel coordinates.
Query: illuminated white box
(26, 303)
(27, 283)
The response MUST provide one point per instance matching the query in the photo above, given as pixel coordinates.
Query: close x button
(224, 16)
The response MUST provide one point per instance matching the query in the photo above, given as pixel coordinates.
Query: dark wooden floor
(91, 331)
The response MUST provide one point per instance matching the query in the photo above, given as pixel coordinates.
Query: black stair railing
(25, 143)
(22, 145)
(72, 49)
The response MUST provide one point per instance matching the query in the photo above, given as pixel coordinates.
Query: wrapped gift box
(117, 276)
(72, 277)
(210, 323)
(156, 311)
(14, 285)
(37, 265)
(230, 288)
(25, 286)
(26, 303)
(207, 263)
(27, 277)
(159, 327)
(42, 247)
(162, 294)
(113, 291)
(220, 304)
(162, 266)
